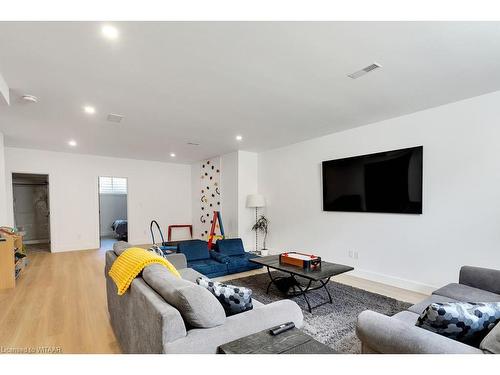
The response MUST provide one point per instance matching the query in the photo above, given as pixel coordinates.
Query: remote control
(281, 328)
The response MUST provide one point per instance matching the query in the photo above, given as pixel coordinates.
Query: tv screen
(383, 182)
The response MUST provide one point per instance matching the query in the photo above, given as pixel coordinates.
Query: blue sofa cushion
(466, 322)
(230, 247)
(194, 250)
(219, 257)
(239, 261)
(208, 267)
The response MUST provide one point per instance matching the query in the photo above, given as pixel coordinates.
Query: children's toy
(305, 261)
(212, 236)
(170, 227)
(164, 247)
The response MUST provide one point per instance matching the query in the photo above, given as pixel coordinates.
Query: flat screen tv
(383, 182)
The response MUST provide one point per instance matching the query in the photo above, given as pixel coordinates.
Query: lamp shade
(256, 200)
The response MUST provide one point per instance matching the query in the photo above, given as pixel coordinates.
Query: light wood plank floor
(60, 301)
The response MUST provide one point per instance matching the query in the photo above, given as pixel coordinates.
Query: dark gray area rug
(332, 324)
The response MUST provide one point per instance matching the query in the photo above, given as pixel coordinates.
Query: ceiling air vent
(362, 72)
(113, 117)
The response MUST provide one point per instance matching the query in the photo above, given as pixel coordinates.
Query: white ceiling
(275, 83)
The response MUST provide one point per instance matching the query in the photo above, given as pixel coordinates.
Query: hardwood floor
(60, 303)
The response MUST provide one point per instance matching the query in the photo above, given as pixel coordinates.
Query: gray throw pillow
(234, 299)
(491, 343)
(466, 322)
(197, 306)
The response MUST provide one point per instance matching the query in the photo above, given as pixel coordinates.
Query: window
(112, 185)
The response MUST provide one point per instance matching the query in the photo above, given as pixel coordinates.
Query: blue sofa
(201, 259)
(228, 257)
(233, 253)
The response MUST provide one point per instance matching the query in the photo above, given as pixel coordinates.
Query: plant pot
(264, 252)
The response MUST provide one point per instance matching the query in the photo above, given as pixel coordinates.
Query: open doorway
(113, 212)
(32, 209)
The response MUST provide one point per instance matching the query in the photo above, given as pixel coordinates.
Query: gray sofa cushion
(491, 343)
(238, 326)
(198, 307)
(421, 306)
(120, 246)
(189, 274)
(382, 334)
(481, 278)
(467, 293)
(407, 317)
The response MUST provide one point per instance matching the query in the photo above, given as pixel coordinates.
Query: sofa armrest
(207, 340)
(382, 334)
(219, 257)
(481, 278)
(178, 260)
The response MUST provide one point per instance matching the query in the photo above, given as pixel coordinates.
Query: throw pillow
(198, 307)
(233, 299)
(466, 322)
(491, 343)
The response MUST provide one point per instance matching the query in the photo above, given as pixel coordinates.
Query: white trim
(33, 242)
(412, 285)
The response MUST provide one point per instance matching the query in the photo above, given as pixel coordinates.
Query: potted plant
(262, 225)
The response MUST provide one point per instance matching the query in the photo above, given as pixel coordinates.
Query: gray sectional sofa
(144, 322)
(398, 334)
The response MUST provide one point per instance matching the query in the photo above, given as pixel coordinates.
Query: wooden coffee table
(292, 341)
(312, 278)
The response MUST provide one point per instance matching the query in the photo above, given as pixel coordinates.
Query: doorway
(32, 209)
(113, 211)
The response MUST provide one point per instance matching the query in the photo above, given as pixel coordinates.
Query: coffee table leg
(303, 291)
(324, 284)
(270, 282)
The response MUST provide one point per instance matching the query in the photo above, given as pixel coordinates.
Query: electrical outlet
(350, 253)
(355, 255)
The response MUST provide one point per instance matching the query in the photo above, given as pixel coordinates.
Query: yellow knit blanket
(131, 262)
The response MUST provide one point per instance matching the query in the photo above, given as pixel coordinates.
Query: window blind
(112, 185)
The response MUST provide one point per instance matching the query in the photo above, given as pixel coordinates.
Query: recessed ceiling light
(172, 155)
(110, 32)
(239, 138)
(72, 143)
(89, 109)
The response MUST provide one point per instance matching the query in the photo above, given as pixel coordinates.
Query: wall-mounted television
(388, 181)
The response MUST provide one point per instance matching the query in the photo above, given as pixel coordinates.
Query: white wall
(113, 207)
(156, 190)
(238, 179)
(460, 223)
(247, 184)
(229, 186)
(3, 197)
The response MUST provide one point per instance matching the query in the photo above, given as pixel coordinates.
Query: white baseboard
(412, 285)
(32, 242)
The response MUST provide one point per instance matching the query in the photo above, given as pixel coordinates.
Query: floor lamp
(256, 201)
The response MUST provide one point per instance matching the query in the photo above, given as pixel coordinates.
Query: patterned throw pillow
(233, 299)
(466, 322)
